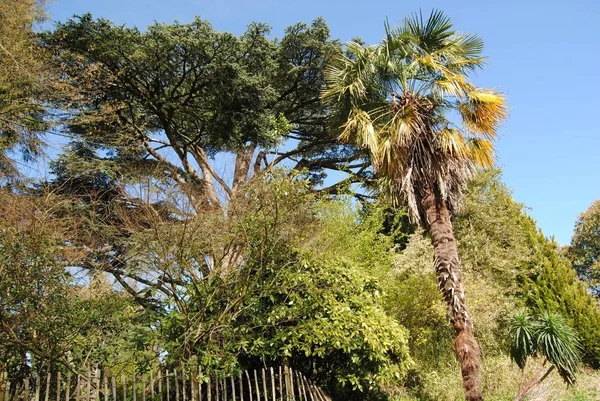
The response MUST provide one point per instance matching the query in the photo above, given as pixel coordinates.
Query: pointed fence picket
(272, 384)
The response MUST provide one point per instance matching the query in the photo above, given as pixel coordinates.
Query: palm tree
(427, 128)
(549, 336)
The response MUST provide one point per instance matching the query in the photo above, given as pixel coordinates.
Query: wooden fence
(279, 384)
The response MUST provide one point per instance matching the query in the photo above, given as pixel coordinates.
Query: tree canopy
(168, 99)
(22, 83)
(584, 251)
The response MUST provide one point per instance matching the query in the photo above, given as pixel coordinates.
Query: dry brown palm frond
(483, 112)
(481, 151)
(359, 129)
(452, 142)
(453, 85)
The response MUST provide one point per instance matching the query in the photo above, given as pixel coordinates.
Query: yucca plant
(549, 336)
(427, 128)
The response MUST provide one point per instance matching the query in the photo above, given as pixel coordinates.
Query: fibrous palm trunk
(448, 271)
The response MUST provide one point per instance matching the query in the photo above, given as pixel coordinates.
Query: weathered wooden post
(26, 389)
(58, 385)
(249, 384)
(264, 385)
(5, 393)
(47, 395)
(143, 387)
(3, 381)
(160, 385)
(289, 389)
(272, 383)
(105, 382)
(97, 384)
(176, 384)
(133, 387)
(280, 383)
(38, 386)
(113, 382)
(256, 384)
(168, 392)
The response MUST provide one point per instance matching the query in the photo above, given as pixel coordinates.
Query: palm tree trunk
(448, 271)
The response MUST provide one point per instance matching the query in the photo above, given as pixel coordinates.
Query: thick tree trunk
(208, 176)
(242, 166)
(448, 271)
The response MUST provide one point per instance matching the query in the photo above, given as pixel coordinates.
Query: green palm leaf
(548, 335)
(558, 342)
(522, 332)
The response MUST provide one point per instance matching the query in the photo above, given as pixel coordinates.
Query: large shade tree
(177, 100)
(427, 129)
(169, 109)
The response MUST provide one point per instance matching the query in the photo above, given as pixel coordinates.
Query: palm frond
(428, 35)
(384, 159)
(549, 335)
(471, 45)
(403, 126)
(523, 340)
(452, 142)
(359, 129)
(481, 152)
(461, 53)
(394, 44)
(349, 74)
(558, 342)
(451, 85)
(483, 111)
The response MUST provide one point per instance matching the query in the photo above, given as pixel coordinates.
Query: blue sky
(543, 54)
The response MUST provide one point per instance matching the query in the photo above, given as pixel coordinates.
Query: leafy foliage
(502, 247)
(558, 342)
(267, 281)
(49, 314)
(555, 287)
(22, 83)
(323, 315)
(172, 70)
(413, 299)
(584, 251)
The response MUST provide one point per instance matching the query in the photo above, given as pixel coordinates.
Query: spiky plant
(427, 128)
(523, 338)
(549, 336)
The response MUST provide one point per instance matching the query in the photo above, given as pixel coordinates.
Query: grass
(500, 383)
